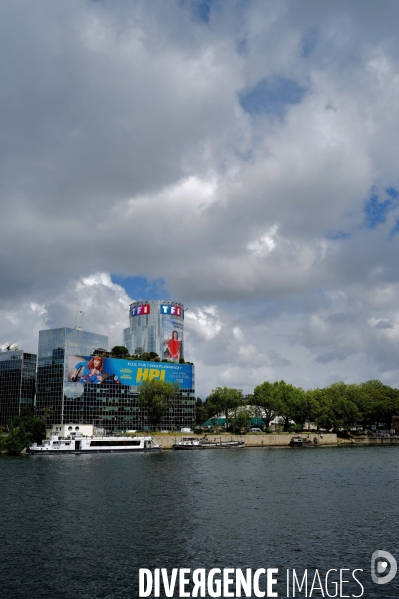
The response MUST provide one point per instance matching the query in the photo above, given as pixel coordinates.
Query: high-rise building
(77, 382)
(17, 383)
(56, 395)
(156, 326)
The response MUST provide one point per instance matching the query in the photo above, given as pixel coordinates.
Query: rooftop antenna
(79, 320)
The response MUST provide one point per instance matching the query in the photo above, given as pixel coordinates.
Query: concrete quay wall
(376, 440)
(259, 440)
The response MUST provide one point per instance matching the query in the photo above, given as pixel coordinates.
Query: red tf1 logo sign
(140, 310)
(171, 309)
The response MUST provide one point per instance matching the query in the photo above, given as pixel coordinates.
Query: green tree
(222, 400)
(34, 427)
(46, 412)
(266, 397)
(200, 412)
(383, 402)
(24, 430)
(119, 351)
(310, 409)
(338, 409)
(293, 404)
(364, 403)
(156, 397)
(391, 406)
(241, 418)
(16, 441)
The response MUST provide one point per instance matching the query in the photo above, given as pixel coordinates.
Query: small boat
(92, 444)
(191, 443)
(299, 441)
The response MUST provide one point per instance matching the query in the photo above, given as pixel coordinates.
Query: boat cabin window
(109, 443)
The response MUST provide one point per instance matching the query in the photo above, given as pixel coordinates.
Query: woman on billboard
(174, 347)
(92, 371)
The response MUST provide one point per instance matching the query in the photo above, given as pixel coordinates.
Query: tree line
(121, 352)
(337, 407)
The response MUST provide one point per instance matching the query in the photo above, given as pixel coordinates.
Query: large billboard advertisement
(98, 370)
(173, 335)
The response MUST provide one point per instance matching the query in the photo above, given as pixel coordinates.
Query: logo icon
(380, 560)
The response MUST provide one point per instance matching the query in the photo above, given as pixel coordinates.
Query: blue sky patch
(392, 192)
(242, 46)
(309, 42)
(272, 96)
(337, 234)
(376, 210)
(140, 288)
(201, 9)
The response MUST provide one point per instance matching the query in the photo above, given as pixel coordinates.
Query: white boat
(92, 444)
(192, 443)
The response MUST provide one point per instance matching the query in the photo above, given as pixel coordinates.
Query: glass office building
(73, 388)
(17, 383)
(114, 407)
(156, 326)
(54, 391)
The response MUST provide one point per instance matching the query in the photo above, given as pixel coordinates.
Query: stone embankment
(378, 440)
(256, 440)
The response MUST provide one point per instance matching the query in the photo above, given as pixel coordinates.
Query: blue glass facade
(53, 388)
(17, 383)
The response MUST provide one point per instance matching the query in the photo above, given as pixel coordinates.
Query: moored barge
(193, 443)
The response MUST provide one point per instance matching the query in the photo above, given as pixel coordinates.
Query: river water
(82, 525)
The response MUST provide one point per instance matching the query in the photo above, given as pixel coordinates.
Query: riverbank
(258, 440)
(378, 440)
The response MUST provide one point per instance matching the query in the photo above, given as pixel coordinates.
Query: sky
(238, 156)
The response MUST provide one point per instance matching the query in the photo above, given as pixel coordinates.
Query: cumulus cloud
(246, 154)
(95, 301)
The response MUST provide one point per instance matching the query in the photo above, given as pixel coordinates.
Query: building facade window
(17, 384)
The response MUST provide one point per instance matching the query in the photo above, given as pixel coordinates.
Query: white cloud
(265, 243)
(204, 321)
(104, 304)
(125, 149)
